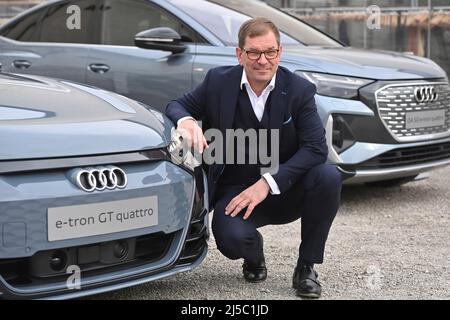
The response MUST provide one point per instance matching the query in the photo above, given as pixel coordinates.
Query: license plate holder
(100, 218)
(425, 119)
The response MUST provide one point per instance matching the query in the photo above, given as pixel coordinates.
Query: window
(62, 25)
(25, 29)
(221, 21)
(224, 17)
(123, 19)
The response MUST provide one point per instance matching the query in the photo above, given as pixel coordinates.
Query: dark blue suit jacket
(293, 111)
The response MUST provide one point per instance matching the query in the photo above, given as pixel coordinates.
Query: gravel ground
(385, 243)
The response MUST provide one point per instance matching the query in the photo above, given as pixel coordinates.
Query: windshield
(224, 17)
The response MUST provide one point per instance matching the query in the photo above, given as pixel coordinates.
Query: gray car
(386, 114)
(90, 199)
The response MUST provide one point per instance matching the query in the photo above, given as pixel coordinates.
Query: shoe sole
(308, 295)
(255, 281)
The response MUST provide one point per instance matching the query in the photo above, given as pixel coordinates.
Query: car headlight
(335, 86)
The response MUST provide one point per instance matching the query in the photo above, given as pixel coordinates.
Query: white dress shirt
(258, 104)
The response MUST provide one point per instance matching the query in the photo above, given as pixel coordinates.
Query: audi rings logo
(425, 94)
(99, 178)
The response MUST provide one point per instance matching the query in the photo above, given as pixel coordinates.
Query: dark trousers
(314, 198)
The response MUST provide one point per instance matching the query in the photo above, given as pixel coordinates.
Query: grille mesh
(395, 101)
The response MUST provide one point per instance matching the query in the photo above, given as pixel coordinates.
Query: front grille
(407, 157)
(395, 101)
(196, 240)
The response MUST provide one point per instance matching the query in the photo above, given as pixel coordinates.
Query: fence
(422, 30)
(11, 8)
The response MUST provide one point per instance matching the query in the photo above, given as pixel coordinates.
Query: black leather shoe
(305, 282)
(255, 272)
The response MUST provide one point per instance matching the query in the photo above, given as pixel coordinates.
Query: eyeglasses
(269, 54)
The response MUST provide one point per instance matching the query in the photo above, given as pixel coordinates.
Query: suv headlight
(335, 86)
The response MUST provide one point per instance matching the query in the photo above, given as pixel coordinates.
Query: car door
(151, 76)
(51, 41)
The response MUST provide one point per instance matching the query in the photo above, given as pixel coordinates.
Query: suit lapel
(228, 99)
(278, 102)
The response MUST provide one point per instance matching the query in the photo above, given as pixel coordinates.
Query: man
(258, 94)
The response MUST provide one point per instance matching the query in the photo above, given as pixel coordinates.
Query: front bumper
(363, 176)
(176, 244)
(367, 162)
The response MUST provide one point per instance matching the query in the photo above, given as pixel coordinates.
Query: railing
(363, 9)
(425, 17)
(422, 30)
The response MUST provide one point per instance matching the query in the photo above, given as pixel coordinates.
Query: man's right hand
(193, 134)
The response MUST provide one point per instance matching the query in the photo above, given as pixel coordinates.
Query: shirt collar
(244, 81)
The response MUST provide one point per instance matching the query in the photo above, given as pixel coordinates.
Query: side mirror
(165, 39)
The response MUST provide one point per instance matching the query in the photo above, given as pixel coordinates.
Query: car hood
(373, 64)
(45, 118)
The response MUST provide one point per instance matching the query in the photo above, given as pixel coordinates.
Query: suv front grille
(395, 101)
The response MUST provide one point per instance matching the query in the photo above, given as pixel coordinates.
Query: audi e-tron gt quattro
(90, 200)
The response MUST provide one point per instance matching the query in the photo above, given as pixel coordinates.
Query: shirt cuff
(274, 189)
(184, 118)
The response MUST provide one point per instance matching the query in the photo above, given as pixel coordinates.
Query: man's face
(259, 71)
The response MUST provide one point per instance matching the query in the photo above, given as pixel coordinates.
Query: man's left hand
(250, 198)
